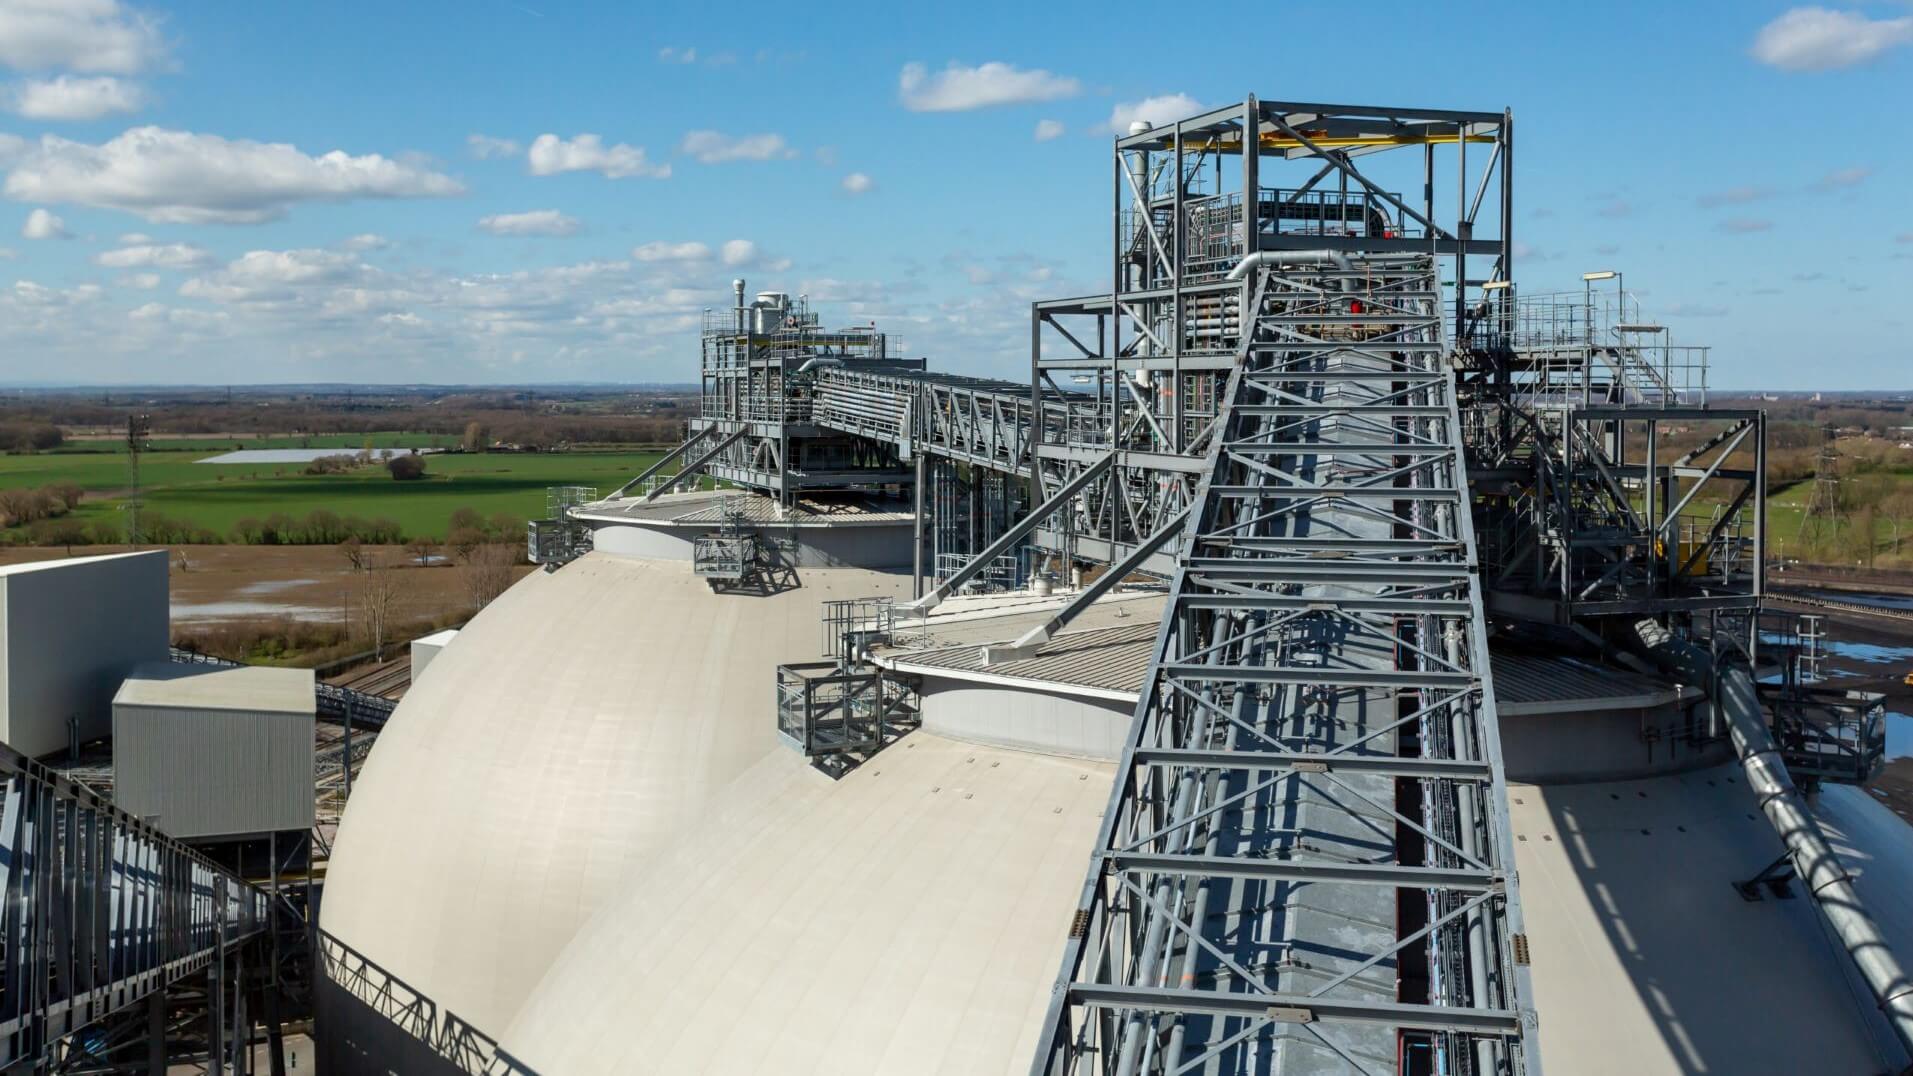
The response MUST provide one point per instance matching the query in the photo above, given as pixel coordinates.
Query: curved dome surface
(909, 918)
(580, 721)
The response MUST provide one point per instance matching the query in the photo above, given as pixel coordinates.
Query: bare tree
(421, 550)
(380, 587)
(487, 571)
(1898, 509)
(353, 551)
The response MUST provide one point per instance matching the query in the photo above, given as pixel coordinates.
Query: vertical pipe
(916, 532)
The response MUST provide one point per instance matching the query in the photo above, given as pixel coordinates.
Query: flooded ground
(300, 455)
(214, 584)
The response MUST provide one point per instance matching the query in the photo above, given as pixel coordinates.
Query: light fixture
(1605, 274)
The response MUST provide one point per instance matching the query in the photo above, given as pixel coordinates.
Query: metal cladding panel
(427, 648)
(198, 772)
(71, 631)
(1027, 718)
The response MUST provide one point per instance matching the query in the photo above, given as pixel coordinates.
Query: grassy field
(343, 441)
(216, 496)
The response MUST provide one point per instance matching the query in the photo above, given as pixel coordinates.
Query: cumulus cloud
(738, 252)
(366, 241)
(273, 275)
(1732, 196)
(44, 225)
(670, 252)
(1746, 225)
(1155, 111)
(1048, 129)
(958, 88)
(69, 97)
(78, 35)
(141, 281)
(715, 147)
(551, 155)
(858, 183)
(1820, 39)
(186, 178)
(154, 256)
(1841, 178)
(534, 222)
(485, 147)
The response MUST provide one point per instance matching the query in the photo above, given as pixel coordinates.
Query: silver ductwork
(1814, 861)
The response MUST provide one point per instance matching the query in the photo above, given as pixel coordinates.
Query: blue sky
(226, 192)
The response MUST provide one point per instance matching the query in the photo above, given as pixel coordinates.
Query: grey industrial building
(208, 751)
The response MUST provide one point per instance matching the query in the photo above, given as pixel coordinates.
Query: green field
(215, 496)
(345, 441)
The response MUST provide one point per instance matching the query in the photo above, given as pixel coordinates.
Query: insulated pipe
(817, 361)
(1259, 258)
(1827, 881)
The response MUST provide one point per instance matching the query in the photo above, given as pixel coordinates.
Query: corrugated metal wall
(204, 773)
(71, 632)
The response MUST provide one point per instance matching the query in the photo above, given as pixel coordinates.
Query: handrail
(442, 1031)
(101, 909)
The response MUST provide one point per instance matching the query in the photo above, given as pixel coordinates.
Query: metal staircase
(1305, 864)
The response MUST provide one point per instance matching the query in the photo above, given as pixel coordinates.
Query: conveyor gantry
(101, 911)
(970, 420)
(1305, 865)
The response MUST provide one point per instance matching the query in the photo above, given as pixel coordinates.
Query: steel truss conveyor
(979, 421)
(101, 912)
(1305, 865)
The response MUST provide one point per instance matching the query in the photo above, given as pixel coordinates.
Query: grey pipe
(1827, 881)
(817, 361)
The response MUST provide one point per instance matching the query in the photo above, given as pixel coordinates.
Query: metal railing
(330, 700)
(444, 1032)
(100, 909)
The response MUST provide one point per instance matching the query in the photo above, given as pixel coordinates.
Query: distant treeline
(34, 424)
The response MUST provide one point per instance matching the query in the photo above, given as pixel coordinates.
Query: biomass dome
(583, 719)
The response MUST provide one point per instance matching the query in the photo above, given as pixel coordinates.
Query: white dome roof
(909, 918)
(583, 719)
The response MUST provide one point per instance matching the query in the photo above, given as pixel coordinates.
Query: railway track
(1834, 605)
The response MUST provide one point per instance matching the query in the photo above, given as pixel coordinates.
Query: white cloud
(1732, 196)
(266, 276)
(1048, 129)
(1819, 39)
(714, 147)
(73, 98)
(673, 55)
(957, 88)
(1155, 111)
(738, 252)
(187, 178)
(534, 222)
(78, 35)
(154, 256)
(551, 155)
(858, 183)
(1841, 178)
(44, 225)
(142, 281)
(671, 252)
(366, 241)
(485, 147)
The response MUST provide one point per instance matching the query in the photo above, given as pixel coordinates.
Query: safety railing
(100, 909)
(443, 1032)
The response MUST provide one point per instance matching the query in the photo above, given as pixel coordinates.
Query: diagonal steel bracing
(1305, 864)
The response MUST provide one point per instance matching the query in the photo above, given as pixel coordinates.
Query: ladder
(1306, 864)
